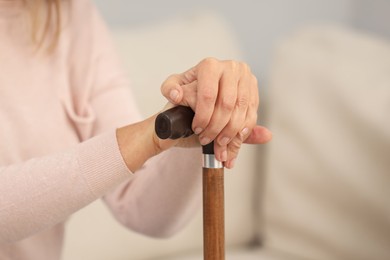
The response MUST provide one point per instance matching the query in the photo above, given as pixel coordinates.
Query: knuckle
(247, 68)
(227, 103)
(242, 102)
(209, 62)
(232, 65)
(235, 145)
(207, 96)
(189, 75)
(238, 67)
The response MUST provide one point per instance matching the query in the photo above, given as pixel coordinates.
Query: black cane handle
(176, 123)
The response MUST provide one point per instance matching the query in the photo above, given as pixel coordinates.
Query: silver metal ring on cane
(210, 162)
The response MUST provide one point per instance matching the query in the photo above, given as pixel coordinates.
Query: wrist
(136, 143)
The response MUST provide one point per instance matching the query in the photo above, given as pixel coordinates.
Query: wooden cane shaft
(213, 214)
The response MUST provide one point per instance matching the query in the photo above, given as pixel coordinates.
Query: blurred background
(258, 24)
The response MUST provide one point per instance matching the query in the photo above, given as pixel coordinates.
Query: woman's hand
(224, 96)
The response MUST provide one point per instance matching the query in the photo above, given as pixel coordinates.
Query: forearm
(163, 195)
(42, 192)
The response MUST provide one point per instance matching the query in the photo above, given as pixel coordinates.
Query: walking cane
(176, 123)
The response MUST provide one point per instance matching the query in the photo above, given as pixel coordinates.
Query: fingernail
(198, 130)
(244, 131)
(204, 141)
(174, 94)
(224, 156)
(224, 141)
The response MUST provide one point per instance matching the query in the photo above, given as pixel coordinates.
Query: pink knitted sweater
(58, 150)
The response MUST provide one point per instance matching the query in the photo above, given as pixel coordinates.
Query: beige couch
(320, 190)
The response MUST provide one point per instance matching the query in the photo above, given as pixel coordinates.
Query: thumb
(171, 89)
(185, 95)
(259, 135)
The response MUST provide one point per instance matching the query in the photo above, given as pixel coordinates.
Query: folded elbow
(8, 237)
(160, 230)
(165, 232)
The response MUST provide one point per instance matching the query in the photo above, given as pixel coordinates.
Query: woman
(68, 135)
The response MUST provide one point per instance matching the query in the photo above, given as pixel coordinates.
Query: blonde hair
(45, 22)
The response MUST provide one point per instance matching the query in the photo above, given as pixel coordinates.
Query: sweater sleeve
(42, 192)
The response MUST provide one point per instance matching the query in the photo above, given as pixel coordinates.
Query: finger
(250, 122)
(228, 154)
(234, 146)
(224, 106)
(189, 95)
(232, 151)
(252, 109)
(208, 73)
(220, 152)
(238, 116)
(259, 135)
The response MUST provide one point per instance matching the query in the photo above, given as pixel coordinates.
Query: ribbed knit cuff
(101, 163)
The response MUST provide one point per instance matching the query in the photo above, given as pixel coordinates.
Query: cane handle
(174, 123)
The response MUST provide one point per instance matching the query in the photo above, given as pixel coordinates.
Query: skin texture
(224, 96)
